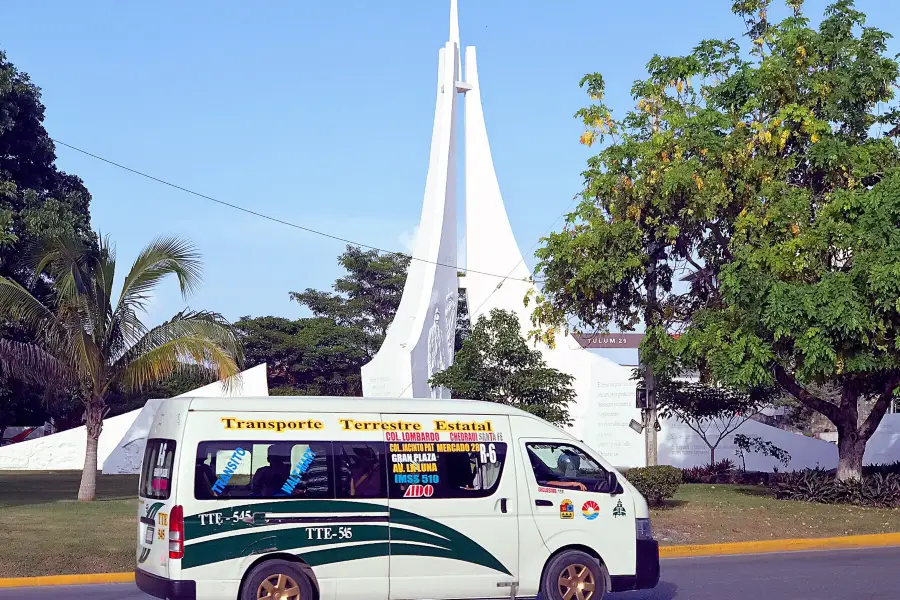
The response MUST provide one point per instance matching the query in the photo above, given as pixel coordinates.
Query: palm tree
(86, 342)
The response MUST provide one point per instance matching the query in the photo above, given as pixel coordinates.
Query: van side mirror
(612, 483)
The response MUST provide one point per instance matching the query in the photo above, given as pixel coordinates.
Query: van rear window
(156, 472)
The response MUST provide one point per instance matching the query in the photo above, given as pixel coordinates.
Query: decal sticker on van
(236, 458)
(377, 531)
(548, 490)
(619, 510)
(566, 509)
(419, 491)
(299, 469)
(151, 515)
(278, 426)
(590, 510)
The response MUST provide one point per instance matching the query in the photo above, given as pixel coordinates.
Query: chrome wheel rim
(278, 587)
(577, 582)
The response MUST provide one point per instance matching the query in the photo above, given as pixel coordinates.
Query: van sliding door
(454, 519)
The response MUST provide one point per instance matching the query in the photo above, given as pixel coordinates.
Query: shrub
(718, 472)
(656, 484)
(816, 485)
(884, 469)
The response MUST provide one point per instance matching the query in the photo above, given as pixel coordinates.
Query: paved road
(841, 575)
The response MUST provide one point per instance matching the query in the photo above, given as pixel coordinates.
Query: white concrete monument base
(123, 438)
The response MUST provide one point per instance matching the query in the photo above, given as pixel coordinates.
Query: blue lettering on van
(236, 458)
(412, 478)
(299, 469)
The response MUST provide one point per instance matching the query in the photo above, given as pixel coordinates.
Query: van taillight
(176, 532)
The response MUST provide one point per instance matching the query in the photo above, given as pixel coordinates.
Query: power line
(521, 260)
(269, 217)
(499, 285)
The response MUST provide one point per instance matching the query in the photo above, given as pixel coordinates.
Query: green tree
(36, 200)
(366, 298)
(306, 357)
(496, 364)
(713, 413)
(90, 342)
(763, 182)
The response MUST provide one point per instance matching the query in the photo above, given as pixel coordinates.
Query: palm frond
(201, 338)
(164, 256)
(32, 363)
(69, 261)
(182, 353)
(18, 304)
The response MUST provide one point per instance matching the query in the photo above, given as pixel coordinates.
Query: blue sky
(320, 113)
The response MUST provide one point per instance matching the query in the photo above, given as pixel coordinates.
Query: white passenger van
(364, 499)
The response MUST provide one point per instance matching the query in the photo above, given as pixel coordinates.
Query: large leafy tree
(93, 343)
(496, 364)
(753, 199)
(37, 200)
(366, 298)
(307, 357)
(323, 354)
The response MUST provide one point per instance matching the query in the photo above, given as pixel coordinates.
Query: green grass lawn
(45, 531)
(710, 514)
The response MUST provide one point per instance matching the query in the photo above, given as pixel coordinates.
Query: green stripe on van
(194, 530)
(444, 542)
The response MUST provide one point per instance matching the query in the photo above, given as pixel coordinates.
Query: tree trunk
(93, 422)
(712, 455)
(851, 447)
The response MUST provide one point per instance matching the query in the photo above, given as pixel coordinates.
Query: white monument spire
(420, 340)
(454, 22)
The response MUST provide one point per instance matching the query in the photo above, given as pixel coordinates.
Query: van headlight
(642, 529)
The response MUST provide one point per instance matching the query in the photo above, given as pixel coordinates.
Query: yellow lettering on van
(277, 426)
(354, 425)
(463, 426)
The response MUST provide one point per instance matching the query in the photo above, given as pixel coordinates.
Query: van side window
(360, 470)
(565, 466)
(156, 472)
(445, 470)
(263, 470)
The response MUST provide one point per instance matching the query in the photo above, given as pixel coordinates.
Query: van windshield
(156, 473)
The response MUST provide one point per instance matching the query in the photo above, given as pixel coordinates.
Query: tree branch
(881, 405)
(789, 383)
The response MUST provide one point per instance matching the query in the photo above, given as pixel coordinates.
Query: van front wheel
(573, 575)
(276, 580)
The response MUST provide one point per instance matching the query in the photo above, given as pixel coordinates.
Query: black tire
(578, 561)
(271, 569)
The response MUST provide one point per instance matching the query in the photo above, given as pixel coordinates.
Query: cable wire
(268, 217)
(499, 285)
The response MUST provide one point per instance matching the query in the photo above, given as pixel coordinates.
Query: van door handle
(543, 503)
(503, 505)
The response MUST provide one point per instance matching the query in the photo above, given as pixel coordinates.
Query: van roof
(333, 404)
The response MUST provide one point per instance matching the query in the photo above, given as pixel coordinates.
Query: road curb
(796, 545)
(696, 550)
(50, 580)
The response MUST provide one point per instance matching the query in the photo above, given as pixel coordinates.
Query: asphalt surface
(871, 574)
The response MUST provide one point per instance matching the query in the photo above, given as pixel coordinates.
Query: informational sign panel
(610, 340)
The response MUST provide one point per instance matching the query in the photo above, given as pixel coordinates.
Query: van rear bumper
(646, 569)
(167, 589)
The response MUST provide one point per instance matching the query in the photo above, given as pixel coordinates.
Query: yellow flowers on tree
(760, 219)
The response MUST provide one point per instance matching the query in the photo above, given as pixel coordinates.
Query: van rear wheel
(573, 575)
(276, 580)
